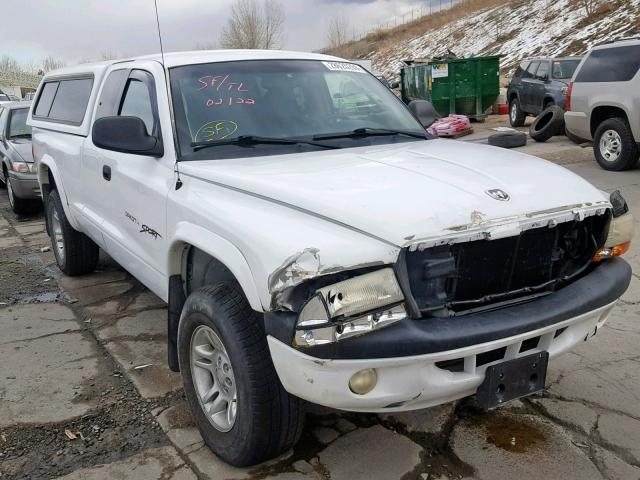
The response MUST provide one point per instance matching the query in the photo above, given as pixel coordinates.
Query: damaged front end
(469, 269)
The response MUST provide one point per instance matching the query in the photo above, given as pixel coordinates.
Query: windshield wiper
(20, 135)
(369, 132)
(247, 140)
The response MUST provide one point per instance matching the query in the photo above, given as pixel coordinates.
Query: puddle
(512, 433)
(46, 297)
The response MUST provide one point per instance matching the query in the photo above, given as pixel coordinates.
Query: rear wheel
(242, 411)
(614, 146)
(516, 115)
(75, 253)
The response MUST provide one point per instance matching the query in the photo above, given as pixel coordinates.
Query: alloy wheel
(56, 234)
(10, 193)
(213, 378)
(610, 145)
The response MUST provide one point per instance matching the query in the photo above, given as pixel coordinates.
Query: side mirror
(126, 135)
(423, 110)
(395, 85)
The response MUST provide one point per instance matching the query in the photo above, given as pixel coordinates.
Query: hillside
(513, 29)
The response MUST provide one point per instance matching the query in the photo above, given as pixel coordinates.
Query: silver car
(603, 103)
(18, 170)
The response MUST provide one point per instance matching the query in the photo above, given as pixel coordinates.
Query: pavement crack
(47, 335)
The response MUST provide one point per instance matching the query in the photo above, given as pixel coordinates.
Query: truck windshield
(18, 124)
(269, 107)
(564, 69)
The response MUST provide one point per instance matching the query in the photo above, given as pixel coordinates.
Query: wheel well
(191, 269)
(512, 97)
(548, 100)
(600, 114)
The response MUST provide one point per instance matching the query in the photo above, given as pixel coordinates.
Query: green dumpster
(467, 86)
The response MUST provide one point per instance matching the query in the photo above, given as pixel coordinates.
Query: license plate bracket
(513, 379)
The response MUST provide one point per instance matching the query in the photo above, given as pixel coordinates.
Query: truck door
(131, 190)
(539, 88)
(528, 85)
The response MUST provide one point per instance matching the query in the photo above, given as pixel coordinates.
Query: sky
(75, 30)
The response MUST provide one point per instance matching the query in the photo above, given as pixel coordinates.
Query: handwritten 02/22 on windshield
(215, 130)
(223, 85)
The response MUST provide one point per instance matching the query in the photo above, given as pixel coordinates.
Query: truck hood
(401, 193)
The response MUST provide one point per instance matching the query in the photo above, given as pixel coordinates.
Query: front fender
(220, 249)
(49, 165)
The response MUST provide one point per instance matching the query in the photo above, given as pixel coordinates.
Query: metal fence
(434, 6)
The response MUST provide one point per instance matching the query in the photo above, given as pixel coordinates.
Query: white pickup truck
(313, 243)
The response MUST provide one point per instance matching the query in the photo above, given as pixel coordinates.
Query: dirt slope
(514, 29)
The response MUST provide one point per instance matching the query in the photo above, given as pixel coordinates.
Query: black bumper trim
(409, 337)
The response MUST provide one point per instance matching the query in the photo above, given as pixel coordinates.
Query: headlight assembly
(21, 167)
(620, 230)
(351, 307)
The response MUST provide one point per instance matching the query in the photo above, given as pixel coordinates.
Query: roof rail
(637, 37)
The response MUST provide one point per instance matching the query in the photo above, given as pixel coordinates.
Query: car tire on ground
(516, 115)
(243, 412)
(76, 254)
(18, 205)
(548, 124)
(508, 139)
(614, 146)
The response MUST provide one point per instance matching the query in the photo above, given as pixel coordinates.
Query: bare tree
(51, 63)
(337, 32)
(273, 24)
(589, 6)
(254, 26)
(205, 46)
(9, 65)
(109, 55)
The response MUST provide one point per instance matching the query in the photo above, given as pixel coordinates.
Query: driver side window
(136, 102)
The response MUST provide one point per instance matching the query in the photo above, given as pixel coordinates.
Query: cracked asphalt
(85, 392)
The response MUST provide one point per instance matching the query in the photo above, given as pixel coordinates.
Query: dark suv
(537, 84)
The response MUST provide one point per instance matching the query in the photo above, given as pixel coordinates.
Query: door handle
(106, 172)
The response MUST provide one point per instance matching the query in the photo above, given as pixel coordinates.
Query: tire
(267, 420)
(548, 124)
(549, 103)
(508, 139)
(516, 115)
(614, 146)
(18, 205)
(76, 254)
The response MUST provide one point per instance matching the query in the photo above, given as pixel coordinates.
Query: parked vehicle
(29, 96)
(4, 98)
(17, 170)
(313, 247)
(537, 84)
(603, 103)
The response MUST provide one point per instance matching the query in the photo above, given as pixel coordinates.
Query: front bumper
(25, 185)
(425, 362)
(409, 383)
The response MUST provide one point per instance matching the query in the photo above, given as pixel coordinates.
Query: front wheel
(75, 253)
(614, 146)
(18, 205)
(242, 411)
(516, 115)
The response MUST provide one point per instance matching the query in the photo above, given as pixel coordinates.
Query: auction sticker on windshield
(344, 67)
